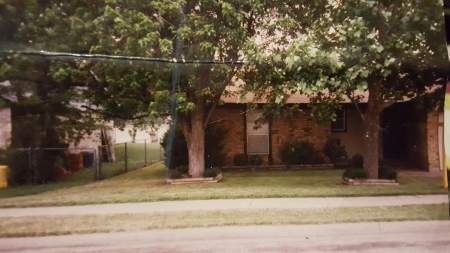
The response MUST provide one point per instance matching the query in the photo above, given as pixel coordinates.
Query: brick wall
(231, 117)
(299, 126)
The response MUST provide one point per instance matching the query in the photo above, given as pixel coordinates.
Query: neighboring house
(5, 128)
(92, 141)
(129, 134)
(411, 136)
(112, 135)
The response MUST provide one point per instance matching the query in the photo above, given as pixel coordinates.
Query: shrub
(178, 150)
(299, 153)
(255, 160)
(357, 161)
(211, 172)
(38, 166)
(335, 151)
(240, 160)
(384, 172)
(355, 173)
(214, 147)
(174, 174)
(18, 163)
(178, 172)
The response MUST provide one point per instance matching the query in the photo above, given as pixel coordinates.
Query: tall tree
(392, 49)
(38, 91)
(204, 30)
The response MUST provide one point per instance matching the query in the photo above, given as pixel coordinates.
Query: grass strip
(63, 225)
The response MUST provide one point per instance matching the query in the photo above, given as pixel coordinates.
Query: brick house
(411, 136)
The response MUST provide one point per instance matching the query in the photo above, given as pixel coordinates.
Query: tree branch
(217, 98)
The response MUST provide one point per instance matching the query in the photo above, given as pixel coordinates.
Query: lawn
(147, 184)
(136, 159)
(59, 225)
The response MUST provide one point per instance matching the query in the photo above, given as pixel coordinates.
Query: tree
(392, 49)
(42, 99)
(216, 31)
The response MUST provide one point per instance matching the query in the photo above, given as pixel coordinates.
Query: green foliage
(211, 172)
(357, 161)
(334, 150)
(36, 166)
(354, 173)
(387, 172)
(299, 152)
(177, 147)
(19, 167)
(398, 46)
(214, 147)
(240, 160)
(176, 173)
(255, 160)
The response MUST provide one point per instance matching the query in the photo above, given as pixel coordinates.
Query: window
(340, 124)
(257, 134)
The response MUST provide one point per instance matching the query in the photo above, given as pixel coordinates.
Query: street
(398, 237)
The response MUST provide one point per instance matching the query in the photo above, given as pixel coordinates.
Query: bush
(355, 173)
(255, 160)
(18, 163)
(299, 153)
(178, 172)
(178, 150)
(384, 172)
(357, 161)
(211, 172)
(240, 160)
(174, 174)
(335, 151)
(214, 147)
(38, 166)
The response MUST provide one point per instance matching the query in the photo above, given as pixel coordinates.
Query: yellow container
(3, 176)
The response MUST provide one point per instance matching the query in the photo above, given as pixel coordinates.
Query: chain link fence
(128, 156)
(38, 165)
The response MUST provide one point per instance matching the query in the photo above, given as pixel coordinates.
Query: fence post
(98, 169)
(145, 153)
(126, 157)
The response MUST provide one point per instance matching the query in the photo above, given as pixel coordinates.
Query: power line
(59, 55)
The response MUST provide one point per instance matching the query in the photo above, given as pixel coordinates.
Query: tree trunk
(194, 132)
(374, 109)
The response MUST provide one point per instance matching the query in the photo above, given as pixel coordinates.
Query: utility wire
(59, 55)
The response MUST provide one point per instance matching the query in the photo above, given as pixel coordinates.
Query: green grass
(148, 184)
(135, 156)
(136, 159)
(59, 225)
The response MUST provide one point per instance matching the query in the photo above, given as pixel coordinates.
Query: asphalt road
(398, 237)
